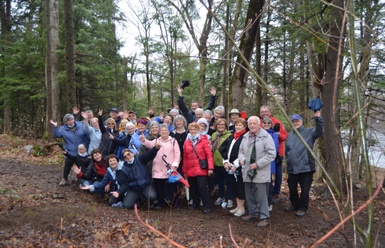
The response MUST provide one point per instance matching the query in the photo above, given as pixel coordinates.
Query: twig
(232, 238)
(154, 229)
(348, 217)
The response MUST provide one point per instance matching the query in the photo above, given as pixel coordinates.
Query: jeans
(278, 179)
(222, 177)
(300, 202)
(129, 199)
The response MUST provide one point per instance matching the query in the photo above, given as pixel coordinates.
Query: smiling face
(253, 124)
(97, 156)
(141, 128)
(154, 129)
(193, 130)
(239, 127)
(179, 123)
(221, 126)
(128, 156)
(70, 122)
(164, 132)
(264, 112)
(297, 123)
(167, 119)
(113, 162)
(266, 125)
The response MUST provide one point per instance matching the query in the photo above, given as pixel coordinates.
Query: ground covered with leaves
(36, 212)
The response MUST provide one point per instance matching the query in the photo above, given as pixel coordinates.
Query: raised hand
(84, 115)
(213, 90)
(76, 169)
(111, 136)
(142, 138)
(180, 90)
(75, 110)
(53, 123)
(100, 112)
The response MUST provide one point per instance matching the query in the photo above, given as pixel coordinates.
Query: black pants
(67, 167)
(161, 186)
(199, 190)
(300, 202)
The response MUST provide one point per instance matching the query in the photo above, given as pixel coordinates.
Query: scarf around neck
(237, 135)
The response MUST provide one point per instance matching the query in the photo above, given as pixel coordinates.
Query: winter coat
(189, 114)
(170, 149)
(107, 146)
(230, 153)
(135, 176)
(73, 138)
(180, 138)
(81, 161)
(94, 172)
(110, 178)
(95, 137)
(135, 142)
(274, 135)
(218, 160)
(298, 159)
(282, 135)
(191, 167)
(122, 143)
(265, 154)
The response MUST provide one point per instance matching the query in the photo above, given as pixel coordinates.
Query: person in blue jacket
(134, 179)
(300, 164)
(74, 134)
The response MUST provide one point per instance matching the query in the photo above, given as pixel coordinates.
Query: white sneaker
(270, 208)
(229, 204)
(219, 201)
(233, 210)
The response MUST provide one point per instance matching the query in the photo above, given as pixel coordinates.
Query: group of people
(132, 159)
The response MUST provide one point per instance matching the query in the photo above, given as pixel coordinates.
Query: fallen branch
(232, 238)
(327, 235)
(154, 229)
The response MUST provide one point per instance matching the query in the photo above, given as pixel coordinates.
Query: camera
(252, 173)
(184, 84)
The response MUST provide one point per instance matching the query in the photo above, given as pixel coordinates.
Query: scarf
(84, 154)
(217, 141)
(194, 139)
(129, 163)
(237, 135)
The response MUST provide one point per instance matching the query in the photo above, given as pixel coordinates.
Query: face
(97, 156)
(95, 124)
(154, 130)
(207, 117)
(121, 114)
(266, 125)
(132, 117)
(221, 126)
(253, 125)
(264, 112)
(174, 114)
(202, 127)
(114, 115)
(113, 163)
(179, 123)
(239, 127)
(164, 132)
(217, 114)
(198, 114)
(194, 106)
(110, 125)
(90, 115)
(82, 150)
(128, 156)
(130, 130)
(70, 122)
(297, 123)
(234, 117)
(167, 120)
(193, 131)
(141, 128)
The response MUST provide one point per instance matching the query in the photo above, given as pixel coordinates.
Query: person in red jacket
(197, 147)
(264, 111)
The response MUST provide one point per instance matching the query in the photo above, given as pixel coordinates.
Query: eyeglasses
(221, 124)
(267, 123)
(126, 156)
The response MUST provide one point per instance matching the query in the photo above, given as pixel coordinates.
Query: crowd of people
(132, 160)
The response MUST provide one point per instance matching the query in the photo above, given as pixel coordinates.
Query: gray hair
(163, 125)
(208, 111)
(152, 123)
(180, 117)
(81, 146)
(220, 108)
(68, 117)
(174, 111)
(199, 109)
(130, 124)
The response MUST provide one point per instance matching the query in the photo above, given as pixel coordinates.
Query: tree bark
(330, 92)
(239, 78)
(6, 36)
(52, 84)
(70, 55)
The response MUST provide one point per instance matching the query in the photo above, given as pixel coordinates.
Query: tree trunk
(52, 40)
(6, 37)
(246, 48)
(70, 55)
(125, 84)
(333, 78)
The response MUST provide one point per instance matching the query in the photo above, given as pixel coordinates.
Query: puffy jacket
(298, 159)
(170, 148)
(72, 139)
(265, 154)
(135, 176)
(191, 167)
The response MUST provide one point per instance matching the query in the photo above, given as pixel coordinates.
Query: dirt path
(35, 211)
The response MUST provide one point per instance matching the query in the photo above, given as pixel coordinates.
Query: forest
(59, 54)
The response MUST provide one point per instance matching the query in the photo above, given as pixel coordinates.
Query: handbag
(203, 163)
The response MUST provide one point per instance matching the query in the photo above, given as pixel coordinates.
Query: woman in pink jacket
(197, 147)
(167, 158)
